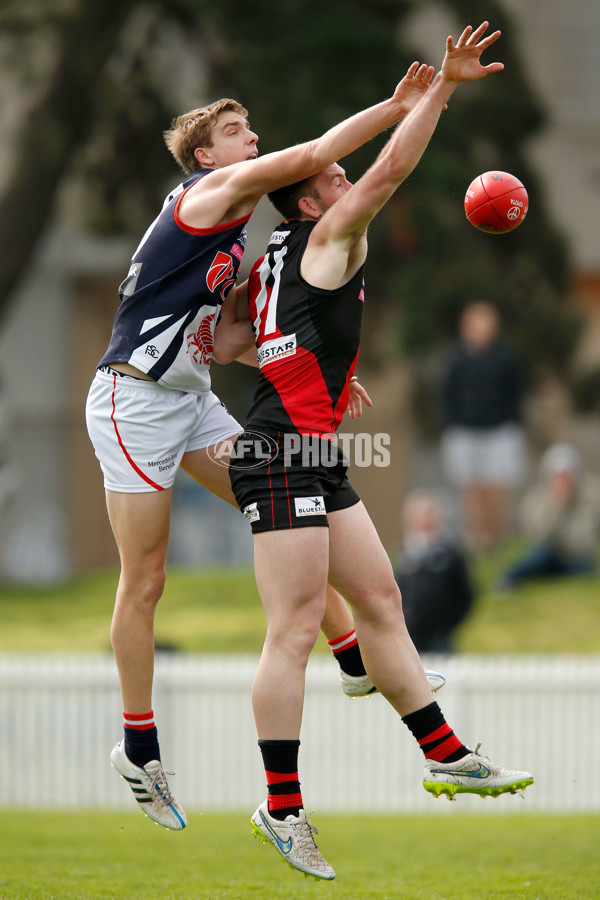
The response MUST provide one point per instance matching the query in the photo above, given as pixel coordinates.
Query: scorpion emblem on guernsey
(200, 343)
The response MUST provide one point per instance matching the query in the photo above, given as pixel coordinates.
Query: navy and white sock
(347, 652)
(141, 738)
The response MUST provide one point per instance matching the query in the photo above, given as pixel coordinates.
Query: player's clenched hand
(461, 62)
(356, 397)
(413, 86)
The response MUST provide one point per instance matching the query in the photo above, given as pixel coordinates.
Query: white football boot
(294, 840)
(150, 789)
(473, 774)
(362, 686)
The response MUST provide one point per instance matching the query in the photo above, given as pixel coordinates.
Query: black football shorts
(285, 481)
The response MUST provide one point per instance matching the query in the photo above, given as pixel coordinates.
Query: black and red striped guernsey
(307, 339)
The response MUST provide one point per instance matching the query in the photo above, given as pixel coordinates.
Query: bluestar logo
(276, 349)
(309, 506)
(278, 237)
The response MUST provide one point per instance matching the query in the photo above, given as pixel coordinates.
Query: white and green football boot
(473, 774)
(294, 841)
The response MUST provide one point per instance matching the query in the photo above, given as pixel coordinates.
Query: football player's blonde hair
(194, 129)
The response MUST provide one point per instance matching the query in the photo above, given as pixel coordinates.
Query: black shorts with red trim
(283, 481)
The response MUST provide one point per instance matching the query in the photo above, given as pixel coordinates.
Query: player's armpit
(241, 300)
(234, 336)
(232, 341)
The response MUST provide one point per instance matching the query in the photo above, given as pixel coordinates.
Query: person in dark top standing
(482, 444)
(306, 298)
(433, 576)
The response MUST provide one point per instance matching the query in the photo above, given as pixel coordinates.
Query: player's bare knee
(296, 634)
(143, 591)
(153, 586)
(382, 606)
(389, 607)
(307, 638)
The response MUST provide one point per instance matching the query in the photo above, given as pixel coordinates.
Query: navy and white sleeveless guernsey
(307, 339)
(171, 298)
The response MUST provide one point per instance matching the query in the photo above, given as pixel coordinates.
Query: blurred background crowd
(481, 353)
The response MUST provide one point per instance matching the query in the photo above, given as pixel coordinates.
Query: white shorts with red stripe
(140, 430)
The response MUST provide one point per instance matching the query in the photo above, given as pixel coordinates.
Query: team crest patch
(251, 512)
(309, 506)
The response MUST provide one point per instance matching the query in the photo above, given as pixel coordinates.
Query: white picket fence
(60, 716)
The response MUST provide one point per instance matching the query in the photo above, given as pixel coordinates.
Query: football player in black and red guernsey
(150, 408)
(306, 300)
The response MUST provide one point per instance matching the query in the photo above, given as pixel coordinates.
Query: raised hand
(461, 62)
(413, 86)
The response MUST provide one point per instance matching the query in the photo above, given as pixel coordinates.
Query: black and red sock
(347, 652)
(433, 734)
(141, 738)
(280, 759)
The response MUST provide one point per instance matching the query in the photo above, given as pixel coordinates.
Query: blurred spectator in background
(433, 576)
(482, 444)
(560, 516)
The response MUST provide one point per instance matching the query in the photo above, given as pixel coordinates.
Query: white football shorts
(140, 430)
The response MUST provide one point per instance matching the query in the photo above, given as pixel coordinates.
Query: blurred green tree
(55, 54)
(305, 65)
(114, 80)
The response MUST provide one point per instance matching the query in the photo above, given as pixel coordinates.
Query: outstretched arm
(233, 191)
(342, 229)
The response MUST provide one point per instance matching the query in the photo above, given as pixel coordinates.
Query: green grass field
(91, 855)
(77, 856)
(211, 611)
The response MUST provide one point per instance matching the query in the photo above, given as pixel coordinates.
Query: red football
(496, 202)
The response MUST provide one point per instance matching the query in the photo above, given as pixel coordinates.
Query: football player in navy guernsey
(150, 409)
(306, 298)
